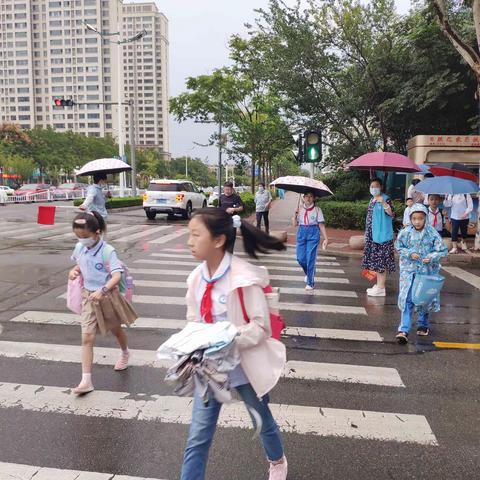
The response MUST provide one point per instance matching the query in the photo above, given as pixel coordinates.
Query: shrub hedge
(113, 203)
(351, 215)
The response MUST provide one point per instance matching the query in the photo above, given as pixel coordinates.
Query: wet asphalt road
(441, 385)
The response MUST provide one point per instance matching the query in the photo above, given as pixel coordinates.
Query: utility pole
(133, 159)
(220, 140)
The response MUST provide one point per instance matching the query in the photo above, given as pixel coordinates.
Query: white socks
(86, 379)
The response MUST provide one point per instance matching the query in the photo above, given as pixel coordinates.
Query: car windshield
(30, 186)
(165, 187)
(67, 186)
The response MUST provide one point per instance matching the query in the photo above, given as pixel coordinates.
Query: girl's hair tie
(80, 221)
(237, 221)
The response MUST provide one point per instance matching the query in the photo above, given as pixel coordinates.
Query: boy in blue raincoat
(421, 248)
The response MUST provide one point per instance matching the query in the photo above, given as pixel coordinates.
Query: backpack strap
(106, 252)
(242, 303)
(77, 250)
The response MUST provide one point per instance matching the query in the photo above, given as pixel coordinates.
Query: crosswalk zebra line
(280, 256)
(145, 233)
(468, 277)
(17, 471)
(111, 229)
(296, 370)
(290, 278)
(170, 236)
(282, 306)
(41, 232)
(58, 318)
(261, 260)
(298, 419)
(194, 264)
(8, 230)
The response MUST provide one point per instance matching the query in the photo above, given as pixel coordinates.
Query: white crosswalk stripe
(111, 229)
(58, 318)
(171, 236)
(261, 261)
(16, 471)
(299, 370)
(290, 278)
(298, 419)
(194, 264)
(278, 256)
(146, 233)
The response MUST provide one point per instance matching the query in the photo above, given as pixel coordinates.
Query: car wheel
(188, 212)
(151, 215)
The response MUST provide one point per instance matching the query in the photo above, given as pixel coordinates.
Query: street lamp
(119, 43)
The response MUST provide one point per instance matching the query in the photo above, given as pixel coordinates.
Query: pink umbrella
(385, 161)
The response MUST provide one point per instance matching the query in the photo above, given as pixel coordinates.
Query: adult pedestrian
(461, 206)
(379, 253)
(95, 201)
(263, 203)
(230, 202)
(414, 194)
(311, 223)
(281, 193)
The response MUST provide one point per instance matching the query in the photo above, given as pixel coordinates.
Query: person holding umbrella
(311, 226)
(95, 200)
(379, 253)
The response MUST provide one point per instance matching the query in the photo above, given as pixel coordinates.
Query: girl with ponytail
(214, 290)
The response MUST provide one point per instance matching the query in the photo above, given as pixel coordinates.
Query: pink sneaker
(122, 362)
(278, 471)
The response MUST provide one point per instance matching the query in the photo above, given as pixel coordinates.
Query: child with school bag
(99, 278)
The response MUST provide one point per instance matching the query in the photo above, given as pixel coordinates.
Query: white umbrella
(107, 165)
(302, 185)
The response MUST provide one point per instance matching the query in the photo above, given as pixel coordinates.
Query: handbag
(277, 323)
(74, 295)
(426, 288)
(370, 275)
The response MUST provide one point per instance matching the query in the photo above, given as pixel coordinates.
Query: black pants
(461, 225)
(232, 246)
(265, 219)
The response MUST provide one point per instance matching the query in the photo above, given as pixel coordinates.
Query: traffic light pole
(133, 163)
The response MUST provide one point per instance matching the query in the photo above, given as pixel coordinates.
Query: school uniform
(308, 239)
(436, 220)
(113, 310)
(406, 216)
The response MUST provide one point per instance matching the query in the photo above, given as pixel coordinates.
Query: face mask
(375, 191)
(87, 242)
(261, 189)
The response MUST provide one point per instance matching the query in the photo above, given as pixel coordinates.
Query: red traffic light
(61, 102)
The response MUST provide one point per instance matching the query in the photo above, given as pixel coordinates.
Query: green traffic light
(313, 152)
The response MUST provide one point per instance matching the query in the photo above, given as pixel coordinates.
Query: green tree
(18, 165)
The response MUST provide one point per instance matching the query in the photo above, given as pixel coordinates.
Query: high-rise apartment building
(46, 53)
(146, 73)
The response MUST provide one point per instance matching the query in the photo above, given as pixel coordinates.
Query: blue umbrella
(446, 186)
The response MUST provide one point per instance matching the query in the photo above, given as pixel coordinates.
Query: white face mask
(375, 191)
(87, 242)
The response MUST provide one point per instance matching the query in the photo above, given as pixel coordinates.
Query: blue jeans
(308, 238)
(204, 423)
(407, 315)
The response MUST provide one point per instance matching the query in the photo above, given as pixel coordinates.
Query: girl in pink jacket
(213, 296)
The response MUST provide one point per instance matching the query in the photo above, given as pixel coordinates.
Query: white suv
(172, 197)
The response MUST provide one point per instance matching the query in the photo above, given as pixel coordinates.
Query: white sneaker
(278, 471)
(309, 287)
(453, 250)
(377, 292)
(372, 289)
(463, 246)
(306, 279)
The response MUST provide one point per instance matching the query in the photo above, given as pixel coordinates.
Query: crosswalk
(161, 306)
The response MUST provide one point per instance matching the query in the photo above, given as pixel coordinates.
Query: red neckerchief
(306, 221)
(435, 216)
(206, 304)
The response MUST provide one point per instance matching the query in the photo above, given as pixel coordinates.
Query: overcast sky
(199, 33)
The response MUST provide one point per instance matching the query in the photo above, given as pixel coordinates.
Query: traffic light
(299, 144)
(62, 102)
(313, 146)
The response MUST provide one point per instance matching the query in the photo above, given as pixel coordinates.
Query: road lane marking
(169, 237)
(145, 233)
(318, 292)
(261, 255)
(290, 278)
(261, 260)
(41, 232)
(466, 346)
(334, 334)
(17, 471)
(462, 274)
(194, 264)
(298, 419)
(57, 318)
(296, 370)
(110, 230)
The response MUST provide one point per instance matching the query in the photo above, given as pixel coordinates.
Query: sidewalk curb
(124, 209)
